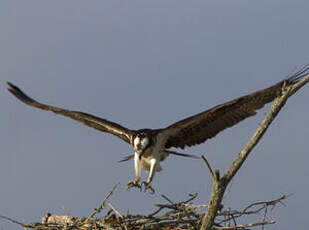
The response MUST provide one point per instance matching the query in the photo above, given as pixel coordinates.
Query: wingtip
(17, 92)
(298, 75)
(10, 86)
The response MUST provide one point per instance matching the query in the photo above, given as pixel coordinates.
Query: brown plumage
(188, 132)
(200, 127)
(85, 118)
(150, 145)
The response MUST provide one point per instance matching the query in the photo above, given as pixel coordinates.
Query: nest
(182, 215)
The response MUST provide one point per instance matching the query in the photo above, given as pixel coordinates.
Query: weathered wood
(220, 184)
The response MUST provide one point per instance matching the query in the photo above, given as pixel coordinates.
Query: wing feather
(85, 118)
(198, 128)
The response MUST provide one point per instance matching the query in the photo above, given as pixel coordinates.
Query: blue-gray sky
(147, 64)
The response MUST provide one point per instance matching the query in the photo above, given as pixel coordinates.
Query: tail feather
(127, 158)
(183, 154)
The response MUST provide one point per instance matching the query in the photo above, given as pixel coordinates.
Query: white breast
(137, 140)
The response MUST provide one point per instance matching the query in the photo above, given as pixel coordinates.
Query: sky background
(147, 64)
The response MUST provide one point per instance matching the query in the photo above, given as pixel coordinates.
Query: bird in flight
(151, 146)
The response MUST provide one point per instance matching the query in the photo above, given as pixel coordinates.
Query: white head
(140, 142)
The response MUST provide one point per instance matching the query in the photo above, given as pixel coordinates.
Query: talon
(133, 183)
(148, 186)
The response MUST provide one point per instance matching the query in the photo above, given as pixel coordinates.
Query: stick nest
(168, 216)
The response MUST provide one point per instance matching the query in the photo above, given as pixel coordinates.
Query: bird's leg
(153, 164)
(137, 168)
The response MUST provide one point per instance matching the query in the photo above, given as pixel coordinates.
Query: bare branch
(251, 209)
(166, 198)
(208, 166)
(14, 221)
(102, 205)
(219, 186)
(115, 210)
(242, 226)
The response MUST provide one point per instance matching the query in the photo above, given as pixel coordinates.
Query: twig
(208, 166)
(166, 198)
(15, 221)
(232, 218)
(245, 225)
(232, 215)
(193, 196)
(102, 205)
(67, 211)
(115, 210)
(264, 217)
(268, 203)
(156, 212)
(172, 205)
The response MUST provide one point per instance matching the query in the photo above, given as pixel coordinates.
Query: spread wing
(198, 128)
(87, 119)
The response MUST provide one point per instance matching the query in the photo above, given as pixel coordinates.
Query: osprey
(151, 145)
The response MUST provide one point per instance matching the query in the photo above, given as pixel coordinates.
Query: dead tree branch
(220, 184)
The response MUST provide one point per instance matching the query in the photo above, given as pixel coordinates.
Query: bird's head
(141, 141)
